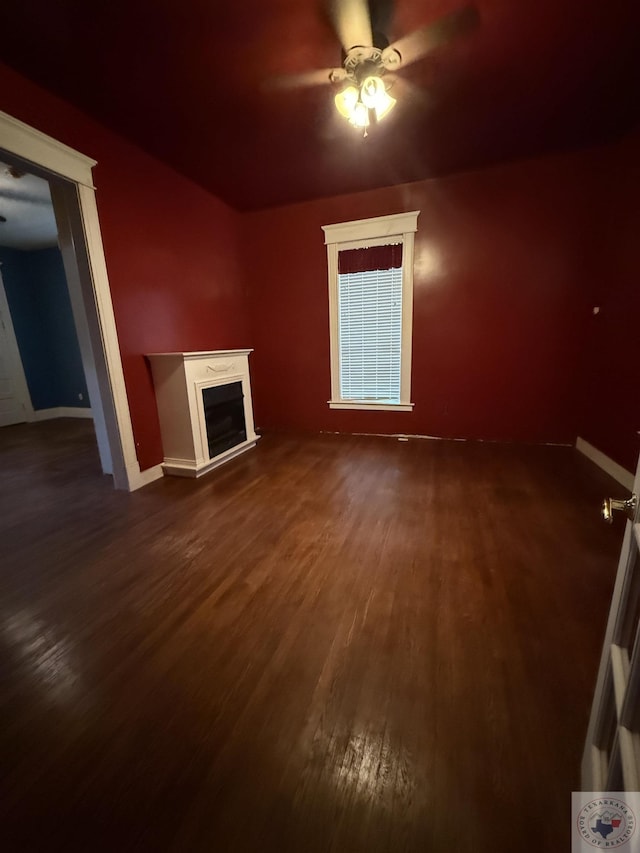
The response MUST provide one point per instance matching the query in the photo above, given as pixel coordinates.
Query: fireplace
(204, 405)
(224, 417)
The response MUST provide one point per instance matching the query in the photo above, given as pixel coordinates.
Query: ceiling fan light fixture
(365, 102)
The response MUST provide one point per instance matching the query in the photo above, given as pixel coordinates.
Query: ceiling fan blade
(381, 16)
(420, 43)
(303, 80)
(352, 22)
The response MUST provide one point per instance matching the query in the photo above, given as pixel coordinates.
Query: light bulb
(346, 101)
(372, 92)
(360, 115)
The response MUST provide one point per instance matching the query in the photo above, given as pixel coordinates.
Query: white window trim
(362, 233)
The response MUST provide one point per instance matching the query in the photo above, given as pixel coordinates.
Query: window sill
(373, 407)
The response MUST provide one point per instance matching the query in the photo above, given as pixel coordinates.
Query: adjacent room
(316, 396)
(40, 349)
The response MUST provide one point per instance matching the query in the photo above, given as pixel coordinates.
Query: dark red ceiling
(185, 81)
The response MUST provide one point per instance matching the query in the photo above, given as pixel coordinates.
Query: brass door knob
(611, 505)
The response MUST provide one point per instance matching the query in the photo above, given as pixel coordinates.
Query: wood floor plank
(332, 643)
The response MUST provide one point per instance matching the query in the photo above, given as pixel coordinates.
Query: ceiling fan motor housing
(362, 62)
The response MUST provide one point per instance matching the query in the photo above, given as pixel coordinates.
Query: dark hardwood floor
(331, 644)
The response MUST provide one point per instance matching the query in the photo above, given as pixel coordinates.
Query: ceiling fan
(368, 56)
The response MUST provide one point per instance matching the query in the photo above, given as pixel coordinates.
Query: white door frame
(20, 380)
(111, 411)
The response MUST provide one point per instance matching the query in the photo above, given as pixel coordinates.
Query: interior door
(13, 406)
(611, 760)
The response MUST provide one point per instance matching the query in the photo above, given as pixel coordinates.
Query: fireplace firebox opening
(224, 417)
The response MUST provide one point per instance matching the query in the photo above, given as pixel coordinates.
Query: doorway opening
(68, 174)
(41, 371)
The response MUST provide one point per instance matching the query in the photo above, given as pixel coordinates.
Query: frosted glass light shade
(372, 92)
(346, 101)
(384, 106)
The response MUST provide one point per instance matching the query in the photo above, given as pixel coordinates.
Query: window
(370, 265)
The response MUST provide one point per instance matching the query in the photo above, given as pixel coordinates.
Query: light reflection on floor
(48, 657)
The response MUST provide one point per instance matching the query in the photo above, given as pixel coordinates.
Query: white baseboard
(190, 468)
(61, 412)
(624, 477)
(143, 478)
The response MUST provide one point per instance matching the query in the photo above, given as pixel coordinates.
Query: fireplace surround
(204, 406)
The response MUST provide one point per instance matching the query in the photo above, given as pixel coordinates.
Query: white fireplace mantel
(180, 379)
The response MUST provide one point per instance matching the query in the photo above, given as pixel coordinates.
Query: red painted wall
(503, 268)
(610, 417)
(171, 250)
(509, 262)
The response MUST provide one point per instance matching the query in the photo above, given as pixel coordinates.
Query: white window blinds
(370, 334)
